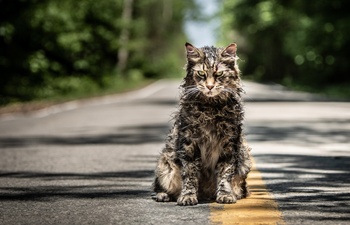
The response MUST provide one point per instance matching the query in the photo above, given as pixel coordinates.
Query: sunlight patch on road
(258, 208)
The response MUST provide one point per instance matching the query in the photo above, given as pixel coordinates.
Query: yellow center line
(258, 208)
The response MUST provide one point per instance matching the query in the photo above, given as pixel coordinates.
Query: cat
(206, 156)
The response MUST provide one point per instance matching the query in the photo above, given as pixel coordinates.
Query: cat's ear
(193, 53)
(230, 51)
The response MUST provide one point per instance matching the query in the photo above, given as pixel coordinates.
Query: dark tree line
(295, 42)
(52, 47)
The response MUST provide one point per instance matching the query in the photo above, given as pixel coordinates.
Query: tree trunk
(123, 52)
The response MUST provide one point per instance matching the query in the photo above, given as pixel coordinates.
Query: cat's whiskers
(230, 90)
(191, 87)
(191, 91)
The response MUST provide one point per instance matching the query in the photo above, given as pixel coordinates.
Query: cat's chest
(210, 131)
(210, 144)
(212, 123)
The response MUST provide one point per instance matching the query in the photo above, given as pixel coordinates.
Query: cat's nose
(210, 86)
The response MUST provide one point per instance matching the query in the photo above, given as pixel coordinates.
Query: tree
(52, 47)
(291, 42)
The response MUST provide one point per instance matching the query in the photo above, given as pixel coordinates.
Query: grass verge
(45, 101)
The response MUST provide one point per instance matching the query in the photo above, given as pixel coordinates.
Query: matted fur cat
(206, 156)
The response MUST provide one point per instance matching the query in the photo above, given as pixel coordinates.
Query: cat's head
(212, 71)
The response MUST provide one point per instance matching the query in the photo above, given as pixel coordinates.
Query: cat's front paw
(226, 198)
(189, 199)
(162, 197)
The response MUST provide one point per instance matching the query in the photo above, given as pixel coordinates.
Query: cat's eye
(201, 73)
(219, 73)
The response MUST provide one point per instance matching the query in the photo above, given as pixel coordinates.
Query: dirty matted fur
(206, 156)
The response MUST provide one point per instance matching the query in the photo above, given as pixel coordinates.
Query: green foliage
(294, 42)
(57, 47)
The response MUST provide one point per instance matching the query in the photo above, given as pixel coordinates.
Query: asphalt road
(92, 162)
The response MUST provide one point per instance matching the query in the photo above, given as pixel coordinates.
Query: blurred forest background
(66, 48)
(52, 49)
(301, 44)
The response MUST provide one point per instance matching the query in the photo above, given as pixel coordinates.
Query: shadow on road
(124, 184)
(304, 184)
(29, 185)
(302, 132)
(126, 135)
